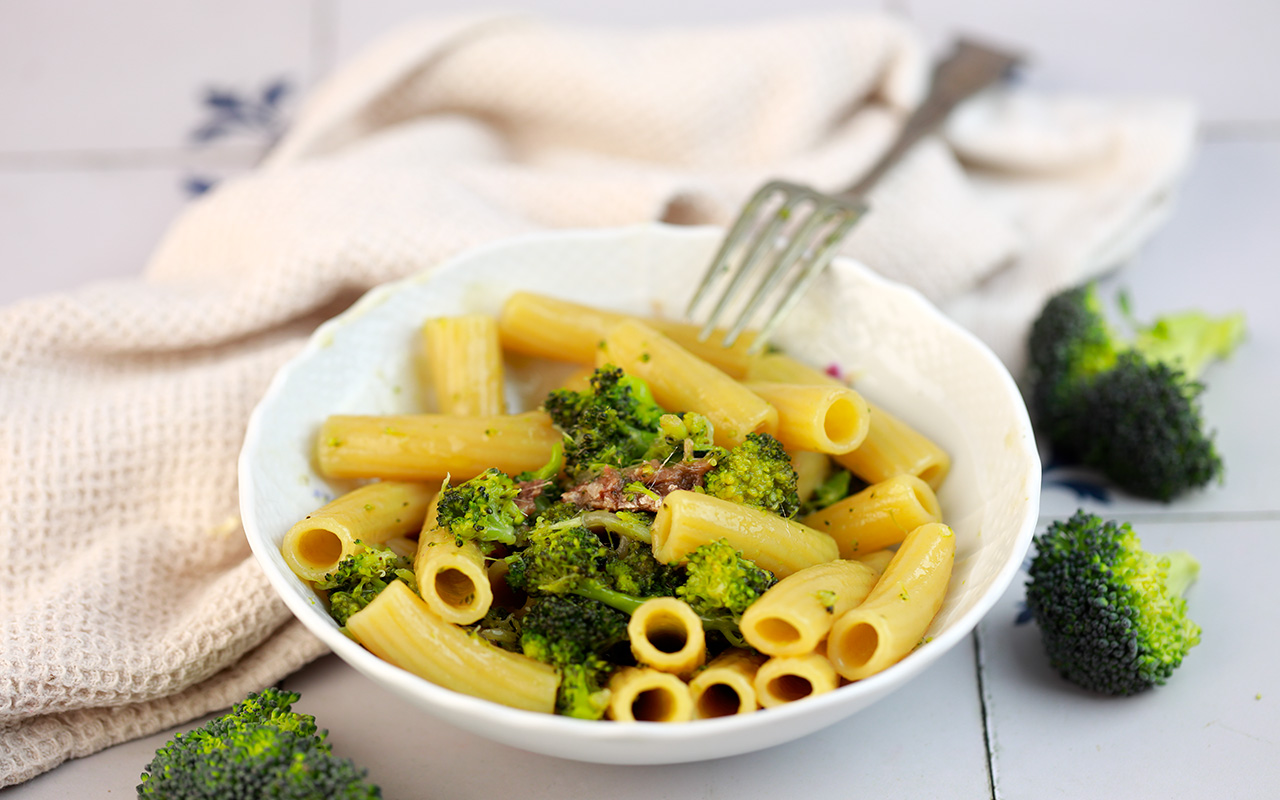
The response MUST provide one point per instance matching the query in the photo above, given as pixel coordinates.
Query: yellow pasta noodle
(878, 516)
(827, 418)
(667, 635)
(398, 627)
(431, 447)
(687, 520)
(878, 560)
(892, 620)
(795, 614)
(726, 686)
(464, 361)
(549, 327)
(812, 469)
(639, 694)
(786, 679)
(681, 381)
(452, 578)
(372, 514)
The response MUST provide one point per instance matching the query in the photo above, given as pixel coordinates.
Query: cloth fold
(130, 600)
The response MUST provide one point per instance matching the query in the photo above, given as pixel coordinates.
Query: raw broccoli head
(718, 577)
(758, 472)
(482, 510)
(573, 634)
(611, 424)
(360, 577)
(261, 748)
(1111, 615)
(1127, 408)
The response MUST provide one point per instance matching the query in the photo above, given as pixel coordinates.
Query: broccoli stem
(1182, 572)
(628, 604)
(611, 522)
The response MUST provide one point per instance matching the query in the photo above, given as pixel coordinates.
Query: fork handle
(969, 69)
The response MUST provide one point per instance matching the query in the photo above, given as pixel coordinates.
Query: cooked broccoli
(482, 510)
(836, 487)
(719, 578)
(572, 634)
(261, 748)
(683, 437)
(758, 472)
(611, 424)
(548, 475)
(359, 578)
(1111, 615)
(1127, 408)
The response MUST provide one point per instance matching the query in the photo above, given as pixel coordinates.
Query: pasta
(637, 694)
(687, 520)
(726, 686)
(891, 621)
(371, 514)
(464, 361)
(452, 577)
(827, 419)
(786, 679)
(398, 627)
(879, 516)
(793, 617)
(667, 635)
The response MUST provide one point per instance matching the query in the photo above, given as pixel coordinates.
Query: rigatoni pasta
(464, 362)
(877, 517)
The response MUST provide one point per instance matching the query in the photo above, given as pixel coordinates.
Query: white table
(990, 719)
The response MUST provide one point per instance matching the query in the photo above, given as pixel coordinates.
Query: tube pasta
(812, 469)
(372, 514)
(891, 447)
(451, 577)
(786, 679)
(398, 627)
(727, 685)
(687, 520)
(667, 635)
(795, 614)
(638, 694)
(464, 362)
(549, 327)
(431, 447)
(891, 621)
(878, 560)
(878, 516)
(681, 380)
(827, 418)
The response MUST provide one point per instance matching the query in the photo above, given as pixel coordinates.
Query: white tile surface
(1212, 731)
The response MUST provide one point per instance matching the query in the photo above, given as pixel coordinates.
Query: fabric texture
(130, 601)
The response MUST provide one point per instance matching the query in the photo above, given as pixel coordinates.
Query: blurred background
(116, 114)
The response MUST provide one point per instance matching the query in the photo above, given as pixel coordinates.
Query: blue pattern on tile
(260, 117)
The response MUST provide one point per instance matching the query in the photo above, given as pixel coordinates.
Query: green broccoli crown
(758, 472)
(1127, 408)
(682, 437)
(361, 576)
(635, 571)
(718, 577)
(560, 559)
(261, 748)
(1111, 615)
(611, 424)
(482, 510)
(572, 633)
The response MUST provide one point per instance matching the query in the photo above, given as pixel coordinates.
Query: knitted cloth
(129, 601)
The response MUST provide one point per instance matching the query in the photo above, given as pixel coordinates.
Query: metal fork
(790, 228)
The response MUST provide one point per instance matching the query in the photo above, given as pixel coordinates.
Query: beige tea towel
(129, 601)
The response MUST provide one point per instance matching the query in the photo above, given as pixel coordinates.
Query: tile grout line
(982, 707)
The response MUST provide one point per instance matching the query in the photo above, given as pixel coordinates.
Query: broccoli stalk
(1111, 615)
(758, 472)
(482, 510)
(261, 748)
(360, 577)
(1127, 408)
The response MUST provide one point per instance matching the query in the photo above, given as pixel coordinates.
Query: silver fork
(793, 229)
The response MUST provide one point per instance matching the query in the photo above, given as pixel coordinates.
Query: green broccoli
(1111, 615)
(359, 578)
(482, 510)
(719, 578)
(1127, 408)
(687, 436)
(758, 472)
(573, 634)
(611, 424)
(838, 485)
(261, 748)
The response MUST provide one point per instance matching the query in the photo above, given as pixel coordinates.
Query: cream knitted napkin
(130, 601)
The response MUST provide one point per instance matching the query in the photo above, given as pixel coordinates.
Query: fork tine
(741, 227)
(759, 246)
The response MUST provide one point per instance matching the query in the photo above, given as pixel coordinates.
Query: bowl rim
(517, 724)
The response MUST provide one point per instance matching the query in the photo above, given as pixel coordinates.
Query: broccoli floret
(682, 437)
(359, 578)
(1111, 615)
(261, 748)
(611, 424)
(482, 510)
(572, 634)
(719, 578)
(1129, 409)
(758, 472)
(836, 487)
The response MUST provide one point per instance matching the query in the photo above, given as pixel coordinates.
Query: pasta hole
(858, 644)
(653, 705)
(777, 630)
(789, 688)
(930, 475)
(455, 588)
(842, 421)
(319, 548)
(719, 700)
(666, 634)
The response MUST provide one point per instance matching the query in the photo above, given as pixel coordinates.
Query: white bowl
(903, 354)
